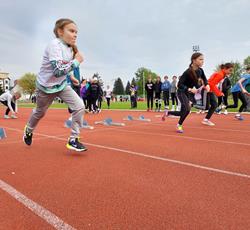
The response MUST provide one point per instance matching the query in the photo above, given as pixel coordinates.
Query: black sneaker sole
(29, 144)
(75, 149)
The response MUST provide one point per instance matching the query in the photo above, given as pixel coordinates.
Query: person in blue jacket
(239, 91)
(165, 87)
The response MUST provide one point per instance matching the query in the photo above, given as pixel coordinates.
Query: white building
(4, 81)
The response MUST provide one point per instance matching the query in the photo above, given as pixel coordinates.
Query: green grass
(114, 105)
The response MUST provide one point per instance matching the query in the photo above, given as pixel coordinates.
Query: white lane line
(42, 212)
(183, 137)
(206, 129)
(211, 169)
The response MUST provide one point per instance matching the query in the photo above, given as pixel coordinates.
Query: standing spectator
(94, 91)
(149, 87)
(133, 96)
(100, 96)
(108, 95)
(158, 87)
(83, 92)
(165, 87)
(173, 92)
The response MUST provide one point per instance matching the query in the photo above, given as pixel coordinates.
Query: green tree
(118, 87)
(127, 90)
(28, 83)
(237, 71)
(141, 77)
(133, 82)
(247, 62)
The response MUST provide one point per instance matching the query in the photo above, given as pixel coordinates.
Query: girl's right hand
(79, 57)
(194, 91)
(244, 91)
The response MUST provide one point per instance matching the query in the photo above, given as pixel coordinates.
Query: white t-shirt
(60, 53)
(108, 93)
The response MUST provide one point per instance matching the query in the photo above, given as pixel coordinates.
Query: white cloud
(117, 37)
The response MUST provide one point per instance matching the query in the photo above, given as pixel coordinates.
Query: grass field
(114, 105)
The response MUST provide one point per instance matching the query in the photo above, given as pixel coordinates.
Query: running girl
(213, 81)
(58, 62)
(238, 91)
(187, 87)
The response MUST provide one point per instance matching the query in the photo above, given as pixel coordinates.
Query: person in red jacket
(213, 81)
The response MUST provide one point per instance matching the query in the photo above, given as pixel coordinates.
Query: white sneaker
(13, 116)
(225, 112)
(207, 122)
(6, 117)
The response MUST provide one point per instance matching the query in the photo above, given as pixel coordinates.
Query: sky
(117, 37)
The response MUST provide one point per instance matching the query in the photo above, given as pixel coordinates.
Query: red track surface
(113, 189)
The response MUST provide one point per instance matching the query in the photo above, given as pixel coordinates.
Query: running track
(141, 176)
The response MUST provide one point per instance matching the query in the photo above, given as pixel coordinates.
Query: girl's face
(228, 71)
(68, 34)
(199, 61)
(149, 80)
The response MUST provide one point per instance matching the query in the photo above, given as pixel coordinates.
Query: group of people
(155, 90)
(59, 76)
(193, 81)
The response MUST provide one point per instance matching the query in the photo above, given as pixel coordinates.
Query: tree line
(28, 80)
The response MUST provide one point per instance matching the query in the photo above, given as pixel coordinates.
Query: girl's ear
(60, 32)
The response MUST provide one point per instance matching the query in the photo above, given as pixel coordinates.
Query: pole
(143, 84)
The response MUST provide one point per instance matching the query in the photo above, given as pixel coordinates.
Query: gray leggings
(70, 97)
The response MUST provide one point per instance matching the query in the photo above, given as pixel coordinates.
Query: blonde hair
(60, 24)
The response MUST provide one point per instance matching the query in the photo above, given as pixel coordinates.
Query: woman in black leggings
(189, 79)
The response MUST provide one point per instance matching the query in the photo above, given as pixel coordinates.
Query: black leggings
(93, 105)
(166, 98)
(223, 99)
(13, 105)
(212, 104)
(108, 101)
(185, 107)
(174, 99)
(150, 100)
(236, 97)
(100, 103)
(85, 101)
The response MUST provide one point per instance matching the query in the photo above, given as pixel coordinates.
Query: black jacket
(186, 81)
(158, 87)
(94, 90)
(149, 87)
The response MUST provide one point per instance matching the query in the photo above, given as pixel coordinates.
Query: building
(4, 81)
